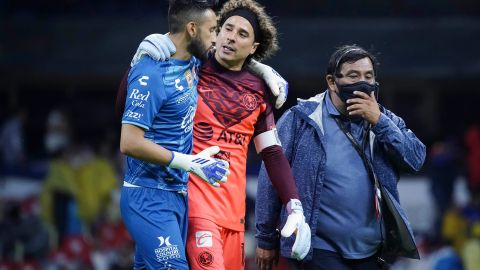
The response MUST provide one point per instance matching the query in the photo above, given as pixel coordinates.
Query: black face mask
(345, 91)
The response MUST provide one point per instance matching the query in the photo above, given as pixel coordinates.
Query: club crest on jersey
(205, 258)
(189, 78)
(249, 102)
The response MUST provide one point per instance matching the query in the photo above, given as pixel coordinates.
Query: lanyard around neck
(366, 161)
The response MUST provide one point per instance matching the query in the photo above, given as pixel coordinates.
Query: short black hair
(180, 12)
(349, 54)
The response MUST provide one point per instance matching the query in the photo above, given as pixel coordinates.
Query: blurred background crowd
(60, 168)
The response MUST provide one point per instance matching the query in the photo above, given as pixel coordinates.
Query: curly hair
(268, 44)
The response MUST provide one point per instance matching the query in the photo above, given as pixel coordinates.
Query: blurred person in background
(57, 198)
(233, 108)
(443, 171)
(471, 249)
(23, 236)
(156, 136)
(472, 143)
(12, 144)
(79, 183)
(339, 144)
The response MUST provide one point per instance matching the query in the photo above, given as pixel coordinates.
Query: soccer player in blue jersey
(156, 136)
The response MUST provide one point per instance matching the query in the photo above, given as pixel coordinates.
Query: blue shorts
(157, 221)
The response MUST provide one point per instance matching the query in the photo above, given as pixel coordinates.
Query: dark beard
(197, 49)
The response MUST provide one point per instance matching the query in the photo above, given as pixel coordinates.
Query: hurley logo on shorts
(203, 239)
(165, 241)
(166, 250)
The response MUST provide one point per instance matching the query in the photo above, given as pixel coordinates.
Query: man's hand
(159, 47)
(364, 106)
(296, 224)
(211, 170)
(266, 258)
(278, 85)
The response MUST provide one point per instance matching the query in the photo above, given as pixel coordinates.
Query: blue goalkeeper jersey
(161, 99)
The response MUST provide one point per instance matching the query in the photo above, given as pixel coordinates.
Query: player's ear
(254, 47)
(330, 81)
(191, 28)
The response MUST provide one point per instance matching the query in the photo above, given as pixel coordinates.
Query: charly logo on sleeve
(166, 250)
(143, 80)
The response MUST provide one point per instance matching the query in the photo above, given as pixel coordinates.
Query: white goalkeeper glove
(278, 85)
(159, 47)
(211, 170)
(296, 223)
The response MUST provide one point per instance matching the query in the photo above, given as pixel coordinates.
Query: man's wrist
(268, 244)
(179, 161)
(294, 205)
(381, 124)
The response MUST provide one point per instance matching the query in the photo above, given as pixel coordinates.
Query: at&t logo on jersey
(203, 131)
(166, 250)
(203, 239)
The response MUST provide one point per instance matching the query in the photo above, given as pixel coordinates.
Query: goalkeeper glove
(209, 169)
(159, 47)
(296, 223)
(278, 85)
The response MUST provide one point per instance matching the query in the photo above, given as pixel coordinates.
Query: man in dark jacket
(338, 142)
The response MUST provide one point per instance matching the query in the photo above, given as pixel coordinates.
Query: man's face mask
(345, 91)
